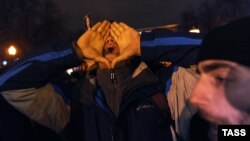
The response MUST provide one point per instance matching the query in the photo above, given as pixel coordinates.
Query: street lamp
(12, 50)
(9, 56)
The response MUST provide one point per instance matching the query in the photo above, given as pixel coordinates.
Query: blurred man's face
(110, 49)
(209, 94)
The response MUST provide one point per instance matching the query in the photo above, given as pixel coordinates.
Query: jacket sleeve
(165, 45)
(40, 67)
(27, 87)
(178, 89)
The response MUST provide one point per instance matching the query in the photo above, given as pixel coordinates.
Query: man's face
(217, 79)
(110, 49)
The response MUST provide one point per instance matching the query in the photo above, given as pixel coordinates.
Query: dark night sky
(136, 13)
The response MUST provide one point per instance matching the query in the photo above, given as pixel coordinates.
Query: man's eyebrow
(213, 66)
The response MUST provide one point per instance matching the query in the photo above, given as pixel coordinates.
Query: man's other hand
(91, 42)
(128, 40)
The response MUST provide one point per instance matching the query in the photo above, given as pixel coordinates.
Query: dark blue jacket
(180, 48)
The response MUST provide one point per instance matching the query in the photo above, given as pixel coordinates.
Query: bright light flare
(69, 71)
(12, 50)
(5, 62)
(194, 30)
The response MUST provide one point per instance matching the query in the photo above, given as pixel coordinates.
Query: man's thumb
(104, 61)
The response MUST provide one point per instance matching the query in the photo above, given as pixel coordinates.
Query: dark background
(136, 13)
(29, 24)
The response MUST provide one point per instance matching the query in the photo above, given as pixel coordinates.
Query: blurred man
(222, 91)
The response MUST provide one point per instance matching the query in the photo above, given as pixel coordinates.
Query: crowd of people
(136, 87)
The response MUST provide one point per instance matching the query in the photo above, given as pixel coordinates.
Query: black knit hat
(229, 42)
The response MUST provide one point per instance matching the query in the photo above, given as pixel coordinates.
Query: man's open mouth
(108, 50)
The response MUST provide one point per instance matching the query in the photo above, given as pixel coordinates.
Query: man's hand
(91, 42)
(128, 40)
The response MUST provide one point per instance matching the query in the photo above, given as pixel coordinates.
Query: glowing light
(69, 71)
(12, 50)
(5, 62)
(194, 30)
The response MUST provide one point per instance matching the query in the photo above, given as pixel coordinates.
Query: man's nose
(109, 39)
(197, 96)
(193, 97)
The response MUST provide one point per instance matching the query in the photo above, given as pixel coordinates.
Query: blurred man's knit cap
(229, 42)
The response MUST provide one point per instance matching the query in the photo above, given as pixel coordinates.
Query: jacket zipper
(114, 83)
(112, 76)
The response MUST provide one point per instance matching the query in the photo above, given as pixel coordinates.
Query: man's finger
(107, 26)
(106, 35)
(96, 26)
(112, 33)
(105, 30)
(115, 31)
(102, 26)
(118, 27)
(124, 26)
(89, 64)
